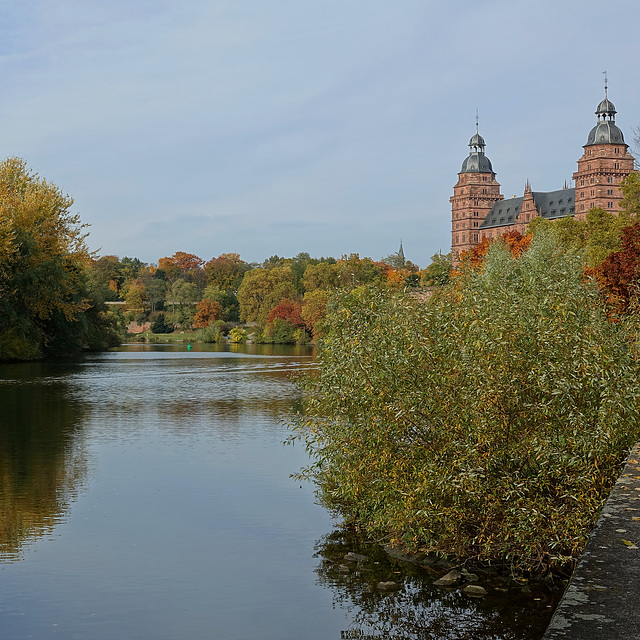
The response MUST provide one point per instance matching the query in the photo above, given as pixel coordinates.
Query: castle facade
(479, 210)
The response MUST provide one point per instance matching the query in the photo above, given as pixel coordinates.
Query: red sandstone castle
(479, 210)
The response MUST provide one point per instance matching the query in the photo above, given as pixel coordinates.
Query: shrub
(237, 334)
(161, 325)
(213, 333)
(490, 422)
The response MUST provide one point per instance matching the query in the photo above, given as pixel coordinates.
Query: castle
(479, 210)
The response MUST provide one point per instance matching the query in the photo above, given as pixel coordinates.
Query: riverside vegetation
(490, 423)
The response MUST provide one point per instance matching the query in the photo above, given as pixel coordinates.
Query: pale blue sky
(277, 126)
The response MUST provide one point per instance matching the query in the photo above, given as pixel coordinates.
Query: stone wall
(602, 600)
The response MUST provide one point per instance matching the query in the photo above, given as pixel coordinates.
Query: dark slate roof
(551, 205)
(476, 163)
(606, 106)
(555, 204)
(503, 213)
(605, 132)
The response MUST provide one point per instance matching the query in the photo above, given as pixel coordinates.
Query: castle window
(475, 213)
(484, 178)
(582, 194)
(475, 237)
(589, 166)
(582, 182)
(617, 150)
(609, 205)
(592, 181)
(463, 237)
(484, 191)
(573, 209)
(581, 207)
(609, 192)
(615, 165)
(609, 179)
(592, 205)
(593, 193)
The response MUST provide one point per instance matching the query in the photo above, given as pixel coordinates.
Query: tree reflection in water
(415, 609)
(42, 460)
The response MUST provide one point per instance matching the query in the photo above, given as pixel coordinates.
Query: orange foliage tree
(289, 310)
(620, 271)
(516, 242)
(181, 264)
(207, 311)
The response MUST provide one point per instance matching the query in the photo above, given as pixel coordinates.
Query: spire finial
(605, 83)
(476, 121)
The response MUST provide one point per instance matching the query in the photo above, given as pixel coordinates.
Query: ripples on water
(145, 493)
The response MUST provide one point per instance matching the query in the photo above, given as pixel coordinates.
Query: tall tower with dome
(473, 196)
(606, 161)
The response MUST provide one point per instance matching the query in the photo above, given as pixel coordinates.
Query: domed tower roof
(605, 131)
(476, 161)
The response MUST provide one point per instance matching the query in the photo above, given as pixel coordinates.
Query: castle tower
(473, 196)
(605, 163)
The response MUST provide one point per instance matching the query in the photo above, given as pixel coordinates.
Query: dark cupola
(476, 161)
(605, 131)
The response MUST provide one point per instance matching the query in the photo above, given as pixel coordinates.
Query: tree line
(283, 299)
(55, 294)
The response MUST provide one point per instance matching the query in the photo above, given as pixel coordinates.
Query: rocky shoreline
(478, 580)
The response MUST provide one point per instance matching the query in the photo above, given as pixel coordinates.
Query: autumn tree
(225, 272)
(314, 310)
(137, 296)
(183, 266)
(289, 310)
(323, 275)
(227, 300)
(261, 290)
(43, 256)
(354, 271)
(207, 311)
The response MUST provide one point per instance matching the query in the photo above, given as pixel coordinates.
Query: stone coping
(602, 600)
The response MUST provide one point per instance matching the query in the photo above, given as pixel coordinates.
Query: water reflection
(390, 599)
(42, 461)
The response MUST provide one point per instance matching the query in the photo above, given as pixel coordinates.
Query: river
(145, 493)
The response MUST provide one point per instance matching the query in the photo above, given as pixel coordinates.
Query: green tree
(228, 300)
(183, 297)
(438, 272)
(631, 194)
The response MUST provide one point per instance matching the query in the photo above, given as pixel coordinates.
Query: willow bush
(487, 423)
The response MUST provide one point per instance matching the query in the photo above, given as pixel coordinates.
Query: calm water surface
(145, 494)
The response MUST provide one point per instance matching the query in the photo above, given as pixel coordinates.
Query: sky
(274, 127)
